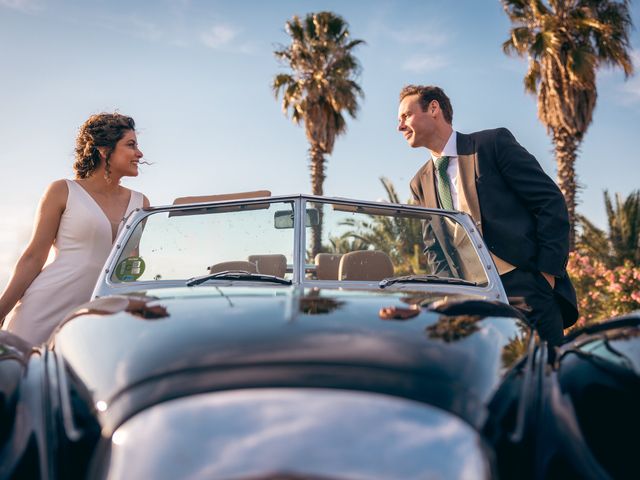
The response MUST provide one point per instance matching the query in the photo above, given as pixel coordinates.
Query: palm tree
(622, 242)
(320, 87)
(566, 41)
(345, 244)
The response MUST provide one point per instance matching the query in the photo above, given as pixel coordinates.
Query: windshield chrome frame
(493, 290)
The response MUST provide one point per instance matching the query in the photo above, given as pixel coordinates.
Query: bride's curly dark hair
(100, 130)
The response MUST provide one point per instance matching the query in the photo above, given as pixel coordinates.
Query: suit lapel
(467, 172)
(429, 186)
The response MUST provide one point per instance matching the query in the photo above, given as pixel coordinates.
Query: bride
(79, 219)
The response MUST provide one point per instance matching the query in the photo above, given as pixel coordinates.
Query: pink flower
(615, 288)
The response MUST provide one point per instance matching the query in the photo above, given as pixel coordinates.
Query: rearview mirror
(284, 218)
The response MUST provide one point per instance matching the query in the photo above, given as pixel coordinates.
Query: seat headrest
(367, 265)
(327, 265)
(270, 264)
(234, 265)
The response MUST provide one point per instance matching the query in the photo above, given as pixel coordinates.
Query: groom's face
(416, 126)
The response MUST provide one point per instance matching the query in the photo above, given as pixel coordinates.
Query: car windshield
(336, 241)
(188, 243)
(370, 243)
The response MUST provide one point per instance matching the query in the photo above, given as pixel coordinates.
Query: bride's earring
(107, 170)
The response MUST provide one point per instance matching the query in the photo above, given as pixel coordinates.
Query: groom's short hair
(427, 94)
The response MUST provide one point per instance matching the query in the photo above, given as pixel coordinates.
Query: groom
(519, 210)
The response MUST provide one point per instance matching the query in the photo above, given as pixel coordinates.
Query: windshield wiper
(237, 275)
(424, 279)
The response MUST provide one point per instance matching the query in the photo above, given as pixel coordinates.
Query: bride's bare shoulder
(145, 200)
(57, 193)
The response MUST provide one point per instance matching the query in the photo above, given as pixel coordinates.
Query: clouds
(27, 6)
(420, 36)
(422, 48)
(222, 36)
(424, 63)
(219, 36)
(181, 25)
(429, 42)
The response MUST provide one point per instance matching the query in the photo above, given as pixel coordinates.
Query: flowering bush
(603, 292)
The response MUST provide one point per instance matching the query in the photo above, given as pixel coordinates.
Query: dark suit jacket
(519, 210)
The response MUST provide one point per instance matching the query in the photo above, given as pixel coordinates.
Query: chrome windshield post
(299, 241)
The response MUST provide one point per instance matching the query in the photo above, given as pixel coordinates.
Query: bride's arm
(50, 209)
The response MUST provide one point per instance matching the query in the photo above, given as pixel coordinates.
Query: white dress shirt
(451, 150)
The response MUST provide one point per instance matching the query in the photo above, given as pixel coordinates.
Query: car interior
(360, 265)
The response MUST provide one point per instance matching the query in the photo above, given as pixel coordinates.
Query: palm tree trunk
(316, 155)
(566, 147)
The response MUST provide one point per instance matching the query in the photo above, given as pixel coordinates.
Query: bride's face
(126, 156)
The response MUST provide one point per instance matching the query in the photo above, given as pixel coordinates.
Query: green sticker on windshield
(130, 269)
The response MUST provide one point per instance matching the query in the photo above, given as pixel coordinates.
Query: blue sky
(196, 77)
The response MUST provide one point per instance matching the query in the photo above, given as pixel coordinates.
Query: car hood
(223, 329)
(294, 434)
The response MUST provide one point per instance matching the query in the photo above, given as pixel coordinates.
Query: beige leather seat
(327, 265)
(371, 265)
(234, 265)
(272, 264)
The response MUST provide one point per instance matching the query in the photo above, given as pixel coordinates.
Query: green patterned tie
(444, 187)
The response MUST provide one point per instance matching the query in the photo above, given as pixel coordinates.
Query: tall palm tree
(320, 87)
(622, 242)
(566, 41)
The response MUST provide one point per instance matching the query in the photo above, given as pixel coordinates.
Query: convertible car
(302, 337)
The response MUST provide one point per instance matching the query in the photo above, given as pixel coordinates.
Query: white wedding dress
(82, 245)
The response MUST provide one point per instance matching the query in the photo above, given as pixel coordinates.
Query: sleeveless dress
(81, 247)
